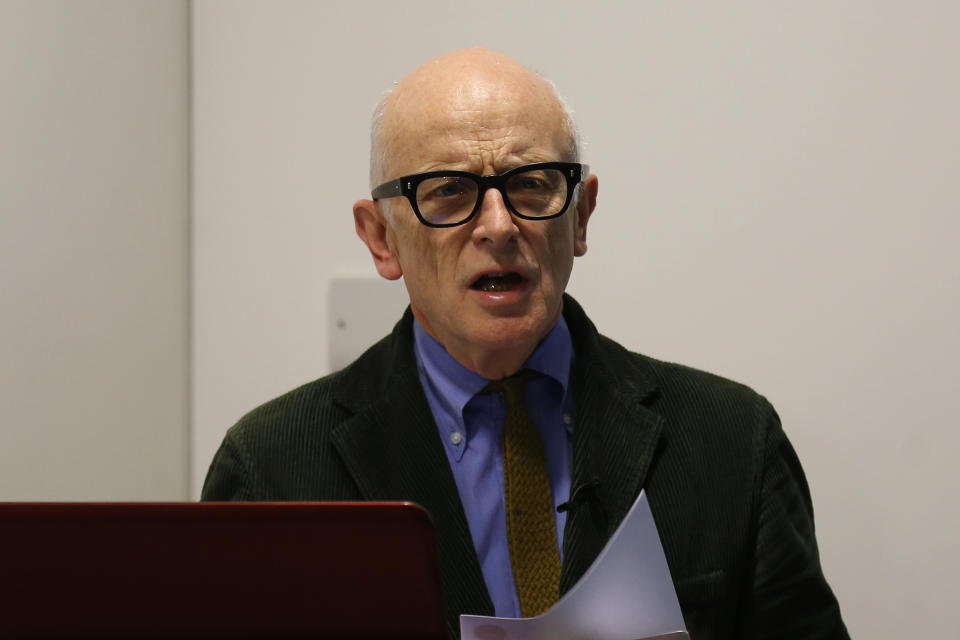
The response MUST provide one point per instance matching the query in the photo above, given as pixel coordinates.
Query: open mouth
(497, 282)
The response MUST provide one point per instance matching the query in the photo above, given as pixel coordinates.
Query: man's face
(488, 290)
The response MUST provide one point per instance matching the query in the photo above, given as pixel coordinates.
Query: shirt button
(456, 438)
(567, 419)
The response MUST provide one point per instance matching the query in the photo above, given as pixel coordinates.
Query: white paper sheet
(626, 594)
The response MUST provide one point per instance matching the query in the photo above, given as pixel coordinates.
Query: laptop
(243, 570)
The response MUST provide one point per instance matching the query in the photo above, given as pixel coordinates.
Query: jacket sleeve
(791, 597)
(229, 476)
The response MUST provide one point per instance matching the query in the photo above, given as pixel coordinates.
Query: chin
(501, 334)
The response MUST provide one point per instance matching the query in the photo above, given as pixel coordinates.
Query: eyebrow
(512, 162)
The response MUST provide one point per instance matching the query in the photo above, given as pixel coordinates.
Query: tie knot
(512, 387)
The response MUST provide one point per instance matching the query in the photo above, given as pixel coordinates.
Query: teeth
(498, 282)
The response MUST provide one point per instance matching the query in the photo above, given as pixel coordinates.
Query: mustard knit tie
(531, 528)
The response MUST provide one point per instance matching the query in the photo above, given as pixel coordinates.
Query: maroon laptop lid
(273, 570)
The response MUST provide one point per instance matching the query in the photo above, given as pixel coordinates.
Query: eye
(449, 190)
(529, 183)
(444, 189)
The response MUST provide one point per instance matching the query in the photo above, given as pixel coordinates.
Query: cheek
(558, 252)
(425, 257)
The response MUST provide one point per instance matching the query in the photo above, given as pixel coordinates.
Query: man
(481, 204)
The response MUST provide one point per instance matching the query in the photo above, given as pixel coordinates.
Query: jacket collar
(391, 448)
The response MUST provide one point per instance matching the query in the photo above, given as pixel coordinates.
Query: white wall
(93, 250)
(778, 204)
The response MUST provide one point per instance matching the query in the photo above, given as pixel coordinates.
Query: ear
(585, 206)
(373, 229)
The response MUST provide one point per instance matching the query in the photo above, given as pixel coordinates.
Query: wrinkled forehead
(448, 113)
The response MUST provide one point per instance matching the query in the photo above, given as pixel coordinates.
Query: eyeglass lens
(451, 199)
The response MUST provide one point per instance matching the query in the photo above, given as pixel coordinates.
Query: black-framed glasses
(535, 191)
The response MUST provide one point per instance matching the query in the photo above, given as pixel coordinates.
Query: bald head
(490, 287)
(476, 89)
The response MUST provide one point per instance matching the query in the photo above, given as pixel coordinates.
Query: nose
(495, 225)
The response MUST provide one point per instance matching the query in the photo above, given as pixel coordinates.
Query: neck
(492, 365)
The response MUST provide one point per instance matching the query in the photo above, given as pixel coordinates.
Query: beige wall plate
(362, 309)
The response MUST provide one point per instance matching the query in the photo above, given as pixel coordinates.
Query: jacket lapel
(392, 450)
(615, 437)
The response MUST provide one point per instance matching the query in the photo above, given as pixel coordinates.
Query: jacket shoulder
(708, 389)
(664, 385)
(282, 449)
(325, 402)
(675, 387)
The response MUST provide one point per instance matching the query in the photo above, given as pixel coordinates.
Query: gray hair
(377, 154)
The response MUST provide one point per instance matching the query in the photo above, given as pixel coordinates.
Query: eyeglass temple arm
(388, 190)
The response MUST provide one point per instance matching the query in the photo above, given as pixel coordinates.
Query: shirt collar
(454, 383)
(552, 358)
(553, 355)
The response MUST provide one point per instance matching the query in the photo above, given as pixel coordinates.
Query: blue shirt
(470, 424)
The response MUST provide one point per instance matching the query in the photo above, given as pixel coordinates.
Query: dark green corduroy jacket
(726, 489)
